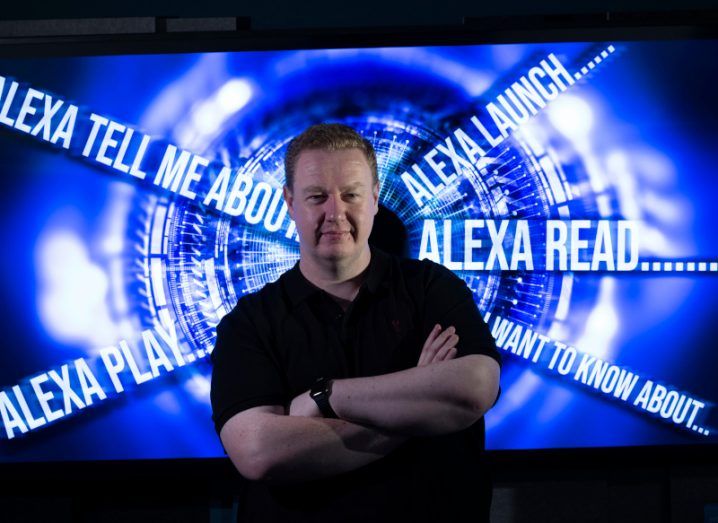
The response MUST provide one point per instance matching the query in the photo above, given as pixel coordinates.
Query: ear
(375, 196)
(289, 198)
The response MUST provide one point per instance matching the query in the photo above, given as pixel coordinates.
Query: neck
(340, 280)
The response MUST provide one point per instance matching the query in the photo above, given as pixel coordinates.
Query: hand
(304, 405)
(439, 346)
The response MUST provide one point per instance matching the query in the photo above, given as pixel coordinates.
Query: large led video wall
(573, 186)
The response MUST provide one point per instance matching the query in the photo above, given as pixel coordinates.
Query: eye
(315, 197)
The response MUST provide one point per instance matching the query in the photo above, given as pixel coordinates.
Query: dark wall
(332, 13)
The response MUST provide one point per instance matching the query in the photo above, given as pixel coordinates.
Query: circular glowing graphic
(200, 261)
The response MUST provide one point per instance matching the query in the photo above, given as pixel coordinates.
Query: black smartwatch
(320, 392)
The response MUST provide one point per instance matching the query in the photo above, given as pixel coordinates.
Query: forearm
(298, 448)
(427, 400)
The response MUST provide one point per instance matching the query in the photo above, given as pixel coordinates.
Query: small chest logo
(397, 325)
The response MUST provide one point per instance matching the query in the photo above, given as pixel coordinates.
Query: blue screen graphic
(572, 186)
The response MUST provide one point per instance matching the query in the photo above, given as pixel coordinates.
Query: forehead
(317, 166)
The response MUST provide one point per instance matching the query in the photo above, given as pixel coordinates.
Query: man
(353, 388)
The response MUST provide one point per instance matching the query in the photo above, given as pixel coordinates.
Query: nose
(335, 208)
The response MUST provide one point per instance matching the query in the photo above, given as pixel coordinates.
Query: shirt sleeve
(450, 302)
(244, 373)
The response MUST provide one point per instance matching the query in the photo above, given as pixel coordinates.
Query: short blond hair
(327, 137)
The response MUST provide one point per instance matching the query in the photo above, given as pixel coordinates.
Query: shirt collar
(299, 288)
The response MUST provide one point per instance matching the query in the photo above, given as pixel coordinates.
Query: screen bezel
(516, 30)
(489, 30)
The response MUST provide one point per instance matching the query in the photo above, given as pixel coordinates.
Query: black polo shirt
(276, 342)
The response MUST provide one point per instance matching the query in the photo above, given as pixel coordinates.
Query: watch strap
(321, 390)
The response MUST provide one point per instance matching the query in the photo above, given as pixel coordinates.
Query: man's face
(333, 203)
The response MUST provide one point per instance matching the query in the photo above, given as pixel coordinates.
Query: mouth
(333, 235)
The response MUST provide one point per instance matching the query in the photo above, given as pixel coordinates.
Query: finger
(424, 356)
(443, 353)
(449, 354)
(432, 335)
(441, 338)
(431, 349)
(437, 344)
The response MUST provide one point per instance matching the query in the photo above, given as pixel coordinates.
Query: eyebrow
(316, 188)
